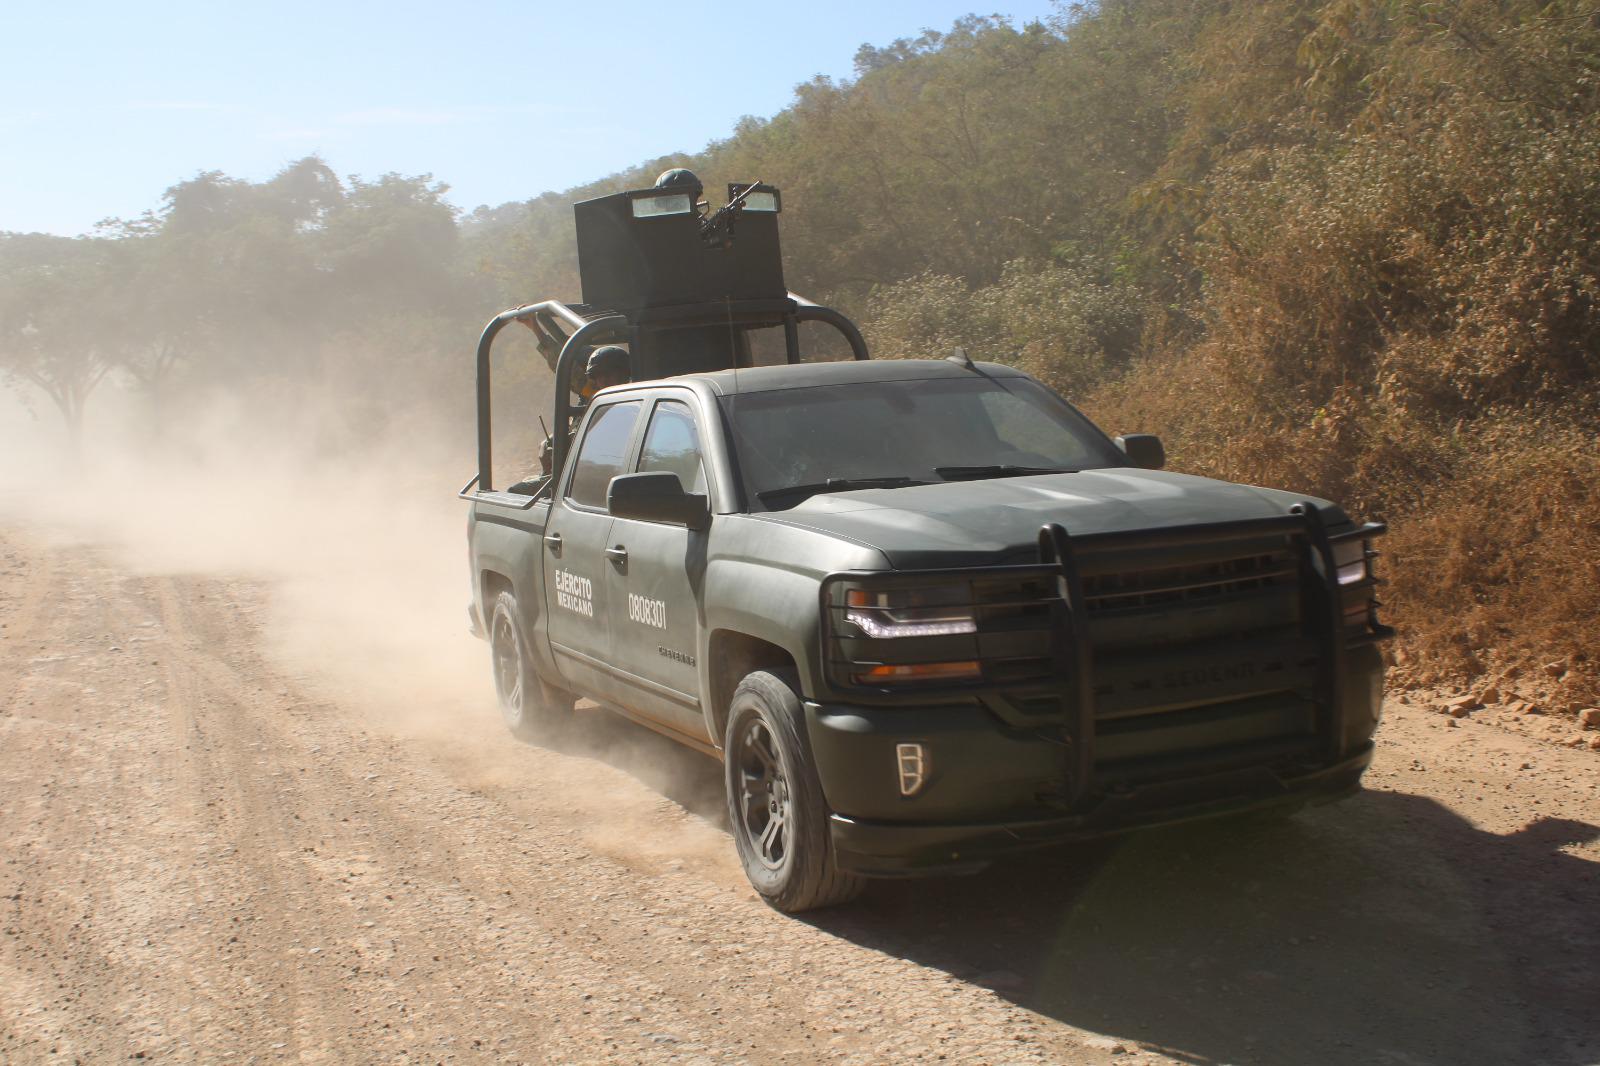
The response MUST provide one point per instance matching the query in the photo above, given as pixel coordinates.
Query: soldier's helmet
(608, 359)
(681, 178)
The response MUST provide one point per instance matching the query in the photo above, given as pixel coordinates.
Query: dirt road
(217, 846)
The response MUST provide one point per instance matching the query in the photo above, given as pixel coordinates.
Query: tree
(55, 334)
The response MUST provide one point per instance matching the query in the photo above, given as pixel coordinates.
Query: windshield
(887, 433)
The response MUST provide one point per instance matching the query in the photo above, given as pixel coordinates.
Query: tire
(775, 804)
(533, 710)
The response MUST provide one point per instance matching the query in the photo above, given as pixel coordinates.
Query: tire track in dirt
(574, 952)
(56, 844)
(237, 869)
(239, 849)
(27, 576)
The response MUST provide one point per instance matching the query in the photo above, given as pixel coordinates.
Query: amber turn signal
(901, 673)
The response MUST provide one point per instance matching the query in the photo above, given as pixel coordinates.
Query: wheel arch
(734, 655)
(490, 584)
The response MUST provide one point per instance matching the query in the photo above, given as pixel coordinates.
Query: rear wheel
(775, 804)
(532, 709)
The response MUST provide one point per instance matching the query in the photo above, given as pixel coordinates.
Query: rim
(507, 666)
(763, 801)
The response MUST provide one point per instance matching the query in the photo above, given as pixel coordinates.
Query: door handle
(618, 555)
(553, 542)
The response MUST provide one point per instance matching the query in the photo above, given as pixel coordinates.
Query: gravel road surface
(225, 840)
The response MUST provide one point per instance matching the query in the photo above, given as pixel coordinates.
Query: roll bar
(613, 327)
(485, 343)
(810, 312)
(571, 352)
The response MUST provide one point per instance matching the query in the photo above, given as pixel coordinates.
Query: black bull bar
(1323, 607)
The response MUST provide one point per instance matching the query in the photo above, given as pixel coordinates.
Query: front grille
(1202, 583)
(1178, 596)
(1198, 651)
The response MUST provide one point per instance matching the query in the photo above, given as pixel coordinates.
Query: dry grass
(1493, 557)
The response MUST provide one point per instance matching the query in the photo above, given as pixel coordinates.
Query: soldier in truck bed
(607, 366)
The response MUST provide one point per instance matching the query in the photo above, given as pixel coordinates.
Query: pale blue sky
(103, 105)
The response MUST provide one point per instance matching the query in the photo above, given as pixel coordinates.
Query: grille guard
(1318, 574)
(1072, 674)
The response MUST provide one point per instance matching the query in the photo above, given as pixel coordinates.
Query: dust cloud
(359, 549)
(364, 550)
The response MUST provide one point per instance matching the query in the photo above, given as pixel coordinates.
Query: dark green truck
(924, 611)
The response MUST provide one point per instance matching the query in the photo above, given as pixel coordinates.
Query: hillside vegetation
(1341, 246)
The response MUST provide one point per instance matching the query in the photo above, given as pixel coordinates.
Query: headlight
(930, 612)
(1350, 557)
(1357, 582)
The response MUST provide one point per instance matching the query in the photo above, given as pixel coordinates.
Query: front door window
(602, 454)
(673, 444)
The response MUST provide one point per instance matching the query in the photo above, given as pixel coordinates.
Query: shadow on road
(1386, 929)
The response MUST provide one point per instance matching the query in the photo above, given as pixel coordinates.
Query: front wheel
(775, 804)
(532, 710)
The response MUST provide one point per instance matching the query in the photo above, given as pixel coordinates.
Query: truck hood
(978, 523)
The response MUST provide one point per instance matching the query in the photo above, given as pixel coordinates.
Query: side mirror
(656, 497)
(1143, 450)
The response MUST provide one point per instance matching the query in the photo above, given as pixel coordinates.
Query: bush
(1059, 323)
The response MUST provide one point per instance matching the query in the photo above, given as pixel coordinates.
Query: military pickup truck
(924, 611)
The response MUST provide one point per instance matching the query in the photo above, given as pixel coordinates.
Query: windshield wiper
(971, 473)
(839, 484)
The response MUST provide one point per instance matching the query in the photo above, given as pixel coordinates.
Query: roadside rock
(1589, 718)
(1489, 695)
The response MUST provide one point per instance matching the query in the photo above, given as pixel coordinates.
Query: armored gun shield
(644, 249)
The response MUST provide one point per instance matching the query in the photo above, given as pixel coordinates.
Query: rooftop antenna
(961, 358)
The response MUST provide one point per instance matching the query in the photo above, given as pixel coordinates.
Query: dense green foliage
(1340, 245)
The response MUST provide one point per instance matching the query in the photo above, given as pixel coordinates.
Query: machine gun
(717, 230)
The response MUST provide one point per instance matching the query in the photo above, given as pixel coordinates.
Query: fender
(509, 543)
(762, 579)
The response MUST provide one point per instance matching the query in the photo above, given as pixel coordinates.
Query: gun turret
(684, 291)
(648, 249)
(718, 230)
